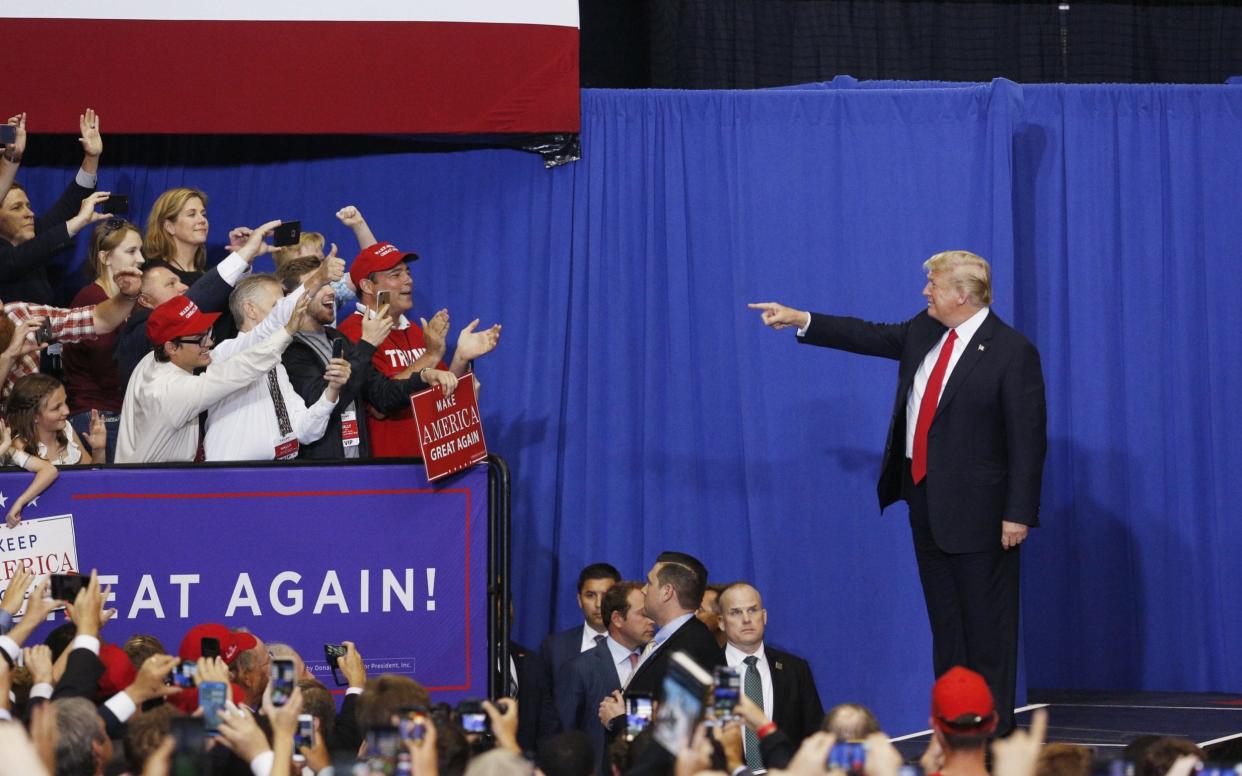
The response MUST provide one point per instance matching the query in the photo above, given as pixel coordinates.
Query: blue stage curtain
(642, 407)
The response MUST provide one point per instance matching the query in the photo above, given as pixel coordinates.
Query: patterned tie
(633, 661)
(927, 409)
(600, 639)
(752, 685)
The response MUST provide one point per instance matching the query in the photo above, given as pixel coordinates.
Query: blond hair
(158, 243)
(969, 273)
(312, 240)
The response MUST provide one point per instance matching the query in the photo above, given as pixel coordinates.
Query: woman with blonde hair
(177, 232)
(91, 375)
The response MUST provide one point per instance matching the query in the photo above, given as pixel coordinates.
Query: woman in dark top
(26, 242)
(91, 375)
(177, 232)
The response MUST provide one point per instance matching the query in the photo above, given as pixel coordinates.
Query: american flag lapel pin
(982, 347)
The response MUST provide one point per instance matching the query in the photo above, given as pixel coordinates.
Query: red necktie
(927, 409)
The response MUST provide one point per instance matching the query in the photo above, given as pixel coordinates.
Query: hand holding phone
(288, 233)
(65, 587)
(212, 697)
(333, 654)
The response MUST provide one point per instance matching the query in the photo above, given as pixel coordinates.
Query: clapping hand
(435, 332)
(471, 344)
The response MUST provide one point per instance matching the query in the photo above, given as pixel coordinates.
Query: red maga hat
(962, 702)
(377, 258)
(232, 643)
(178, 317)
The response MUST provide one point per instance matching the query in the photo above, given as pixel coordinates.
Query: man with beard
(308, 356)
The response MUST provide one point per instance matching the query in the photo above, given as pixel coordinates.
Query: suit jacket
(305, 370)
(558, 649)
(536, 712)
(581, 684)
(985, 449)
(796, 708)
(24, 275)
(693, 638)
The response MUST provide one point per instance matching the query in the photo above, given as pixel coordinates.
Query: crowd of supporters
(161, 358)
(598, 698)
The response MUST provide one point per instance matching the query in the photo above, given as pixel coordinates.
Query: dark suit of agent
(778, 682)
(971, 470)
(559, 648)
(671, 598)
(590, 677)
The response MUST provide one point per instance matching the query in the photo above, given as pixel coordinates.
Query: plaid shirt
(67, 326)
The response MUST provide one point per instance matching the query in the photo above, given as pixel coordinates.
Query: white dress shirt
(589, 635)
(735, 658)
(965, 331)
(243, 425)
(159, 418)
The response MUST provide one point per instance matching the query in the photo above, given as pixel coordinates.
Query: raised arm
(351, 217)
(12, 158)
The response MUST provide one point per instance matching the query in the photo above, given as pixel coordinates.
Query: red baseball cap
(962, 703)
(377, 258)
(178, 317)
(119, 671)
(232, 643)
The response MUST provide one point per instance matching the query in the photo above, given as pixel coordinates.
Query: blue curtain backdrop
(642, 406)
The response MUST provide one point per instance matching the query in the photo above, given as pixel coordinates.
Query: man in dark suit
(537, 715)
(777, 681)
(593, 675)
(965, 450)
(558, 648)
(671, 598)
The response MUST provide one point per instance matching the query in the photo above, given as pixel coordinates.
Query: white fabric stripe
(556, 13)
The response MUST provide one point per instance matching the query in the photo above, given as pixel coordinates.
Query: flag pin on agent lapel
(982, 347)
(779, 667)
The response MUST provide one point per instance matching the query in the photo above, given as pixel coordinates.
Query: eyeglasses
(200, 340)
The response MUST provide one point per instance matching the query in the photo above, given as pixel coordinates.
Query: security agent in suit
(559, 648)
(786, 686)
(593, 675)
(968, 463)
(671, 598)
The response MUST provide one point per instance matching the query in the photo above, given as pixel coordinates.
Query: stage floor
(1107, 721)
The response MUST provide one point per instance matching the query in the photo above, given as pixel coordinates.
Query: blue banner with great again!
(304, 555)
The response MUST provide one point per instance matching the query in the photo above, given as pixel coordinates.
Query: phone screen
(333, 653)
(305, 735)
(183, 674)
(848, 756)
(727, 693)
(680, 710)
(338, 348)
(212, 696)
(8, 134)
(283, 679)
(637, 715)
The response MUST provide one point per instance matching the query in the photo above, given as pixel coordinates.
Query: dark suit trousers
(972, 603)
